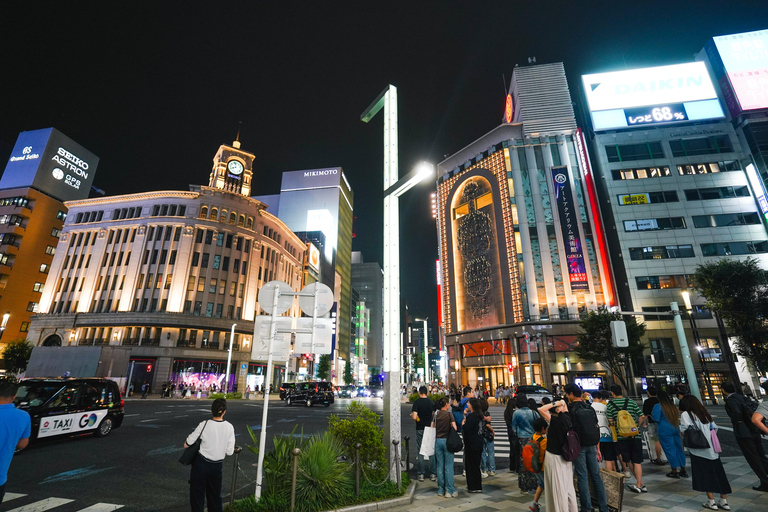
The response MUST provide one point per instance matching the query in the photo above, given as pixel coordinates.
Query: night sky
(155, 88)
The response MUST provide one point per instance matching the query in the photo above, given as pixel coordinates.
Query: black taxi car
(310, 393)
(71, 406)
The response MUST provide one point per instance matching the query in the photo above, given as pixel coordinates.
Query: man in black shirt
(653, 432)
(421, 413)
(747, 437)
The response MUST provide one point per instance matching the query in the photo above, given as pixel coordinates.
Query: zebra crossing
(500, 443)
(59, 504)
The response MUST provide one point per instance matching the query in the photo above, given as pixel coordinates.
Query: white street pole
(530, 363)
(130, 376)
(690, 373)
(426, 353)
(267, 382)
(229, 358)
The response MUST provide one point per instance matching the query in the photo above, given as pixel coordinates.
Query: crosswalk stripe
(12, 496)
(101, 507)
(42, 505)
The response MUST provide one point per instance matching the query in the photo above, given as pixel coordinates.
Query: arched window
(214, 213)
(249, 224)
(223, 216)
(204, 212)
(241, 221)
(232, 218)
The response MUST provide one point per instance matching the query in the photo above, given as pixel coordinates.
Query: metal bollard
(234, 476)
(357, 469)
(407, 453)
(396, 442)
(296, 453)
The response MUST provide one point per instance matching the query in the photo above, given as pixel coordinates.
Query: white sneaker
(484, 474)
(491, 473)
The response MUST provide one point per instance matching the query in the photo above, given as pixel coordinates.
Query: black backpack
(585, 423)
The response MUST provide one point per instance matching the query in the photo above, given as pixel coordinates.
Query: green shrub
(228, 396)
(322, 480)
(363, 429)
(278, 463)
(415, 396)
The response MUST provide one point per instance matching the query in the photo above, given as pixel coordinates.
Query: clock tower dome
(232, 169)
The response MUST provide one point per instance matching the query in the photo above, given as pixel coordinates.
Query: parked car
(348, 392)
(535, 392)
(310, 393)
(284, 387)
(363, 391)
(71, 406)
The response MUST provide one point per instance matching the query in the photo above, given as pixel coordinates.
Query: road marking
(40, 506)
(75, 474)
(153, 419)
(12, 496)
(151, 426)
(163, 451)
(129, 415)
(101, 507)
(182, 416)
(163, 412)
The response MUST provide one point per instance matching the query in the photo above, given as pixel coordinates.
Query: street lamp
(393, 189)
(426, 349)
(686, 352)
(699, 347)
(6, 316)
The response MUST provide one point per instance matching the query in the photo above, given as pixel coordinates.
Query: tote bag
(428, 442)
(190, 452)
(715, 440)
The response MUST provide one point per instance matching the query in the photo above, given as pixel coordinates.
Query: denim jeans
(488, 460)
(444, 467)
(420, 457)
(586, 464)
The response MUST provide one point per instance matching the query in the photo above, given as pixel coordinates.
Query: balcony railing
(186, 343)
(131, 341)
(214, 345)
(150, 342)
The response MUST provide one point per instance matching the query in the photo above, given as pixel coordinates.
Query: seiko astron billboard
(51, 162)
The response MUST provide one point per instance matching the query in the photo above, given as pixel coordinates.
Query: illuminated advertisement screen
(589, 383)
(651, 96)
(569, 227)
(745, 59)
(51, 162)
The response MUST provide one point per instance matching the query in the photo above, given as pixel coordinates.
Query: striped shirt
(617, 404)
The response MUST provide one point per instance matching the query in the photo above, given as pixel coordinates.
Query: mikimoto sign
(648, 86)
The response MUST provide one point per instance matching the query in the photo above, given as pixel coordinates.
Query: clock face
(235, 167)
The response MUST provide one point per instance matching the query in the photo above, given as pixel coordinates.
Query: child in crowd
(540, 426)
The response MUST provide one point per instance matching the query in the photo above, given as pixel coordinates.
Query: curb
(382, 505)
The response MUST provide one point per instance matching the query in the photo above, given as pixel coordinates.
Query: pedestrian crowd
(552, 442)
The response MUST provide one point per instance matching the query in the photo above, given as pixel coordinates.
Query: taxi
(70, 406)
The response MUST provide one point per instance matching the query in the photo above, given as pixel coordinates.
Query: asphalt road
(136, 465)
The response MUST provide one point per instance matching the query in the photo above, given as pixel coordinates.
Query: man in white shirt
(217, 441)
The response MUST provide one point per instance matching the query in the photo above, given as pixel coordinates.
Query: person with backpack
(667, 418)
(522, 425)
(533, 458)
(707, 472)
(559, 493)
(587, 465)
(626, 416)
(747, 436)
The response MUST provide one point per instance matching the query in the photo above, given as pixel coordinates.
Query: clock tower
(232, 169)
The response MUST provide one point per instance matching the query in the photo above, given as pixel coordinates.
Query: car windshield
(34, 394)
(533, 389)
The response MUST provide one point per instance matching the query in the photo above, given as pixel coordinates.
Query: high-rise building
(521, 245)
(671, 177)
(322, 200)
(152, 283)
(45, 169)
(368, 280)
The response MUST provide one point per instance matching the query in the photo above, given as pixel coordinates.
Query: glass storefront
(202, 375)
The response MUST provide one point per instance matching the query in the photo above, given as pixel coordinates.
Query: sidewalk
(664, 494)
(156, 397)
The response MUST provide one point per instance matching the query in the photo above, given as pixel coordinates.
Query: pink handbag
(715, 441)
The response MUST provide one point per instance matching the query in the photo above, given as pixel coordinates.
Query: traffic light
(149, 367)
(510, 368)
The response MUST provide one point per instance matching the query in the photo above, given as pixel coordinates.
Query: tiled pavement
(665, 494)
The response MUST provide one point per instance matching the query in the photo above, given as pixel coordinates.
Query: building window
(661, 252)
(702, 146)
(725, 220)
(216, 261)
(208, 237)
(662, 282)
(734, 248)
(220, 239)
(168, 279)
(198, 308)
(201, 285)
(657, 309)
(44, 268)
(56, 232)
(191, 283)
(61, 215)
(708, 168)
(666, 196)
(212, 286)
(33, 307)
(654, 224)
(630, 152)
(24, 327)
(204, 212)
(209, 309)
(195, 258)
(204, 261)
(704, 194)
(38, 287)
(663, 350)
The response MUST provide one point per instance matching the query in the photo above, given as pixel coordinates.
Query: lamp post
(426, 349)
(393, 189)
(699, 347)
(6, 316)
(229, 360)
(683, 342)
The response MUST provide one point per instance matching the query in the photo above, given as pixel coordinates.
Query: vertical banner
(569, 227)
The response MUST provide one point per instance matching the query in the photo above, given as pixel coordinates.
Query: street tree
(596, 343)
(348, 378)
(16, 355)
(324, 367)
(737, 291)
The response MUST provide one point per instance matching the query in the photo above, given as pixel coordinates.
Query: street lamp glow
(687, 300)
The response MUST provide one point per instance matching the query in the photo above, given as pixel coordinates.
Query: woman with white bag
(443, 423)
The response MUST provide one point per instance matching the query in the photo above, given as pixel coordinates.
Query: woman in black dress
(473, 446)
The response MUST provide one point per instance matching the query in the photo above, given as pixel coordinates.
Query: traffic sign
(281, 346)
(267, 295)
(320, 343)
(324, 299)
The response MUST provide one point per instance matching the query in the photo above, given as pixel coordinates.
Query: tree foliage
(363, 428)
(596, 344)
(324, 367)
(16, 355)
(736, 290)
(348, 378)
(418, 360)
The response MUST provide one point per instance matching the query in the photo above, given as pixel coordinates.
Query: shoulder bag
(571, 446)
(454, 444)
(693, 437)
(190, 452)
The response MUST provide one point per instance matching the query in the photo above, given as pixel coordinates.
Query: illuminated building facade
(674, 173)
(362, 320)
(520, 251)
(159, 278)
(368, 280)
(45, 169)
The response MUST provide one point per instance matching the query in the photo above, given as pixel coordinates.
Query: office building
(368, 280)
(45, 169)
